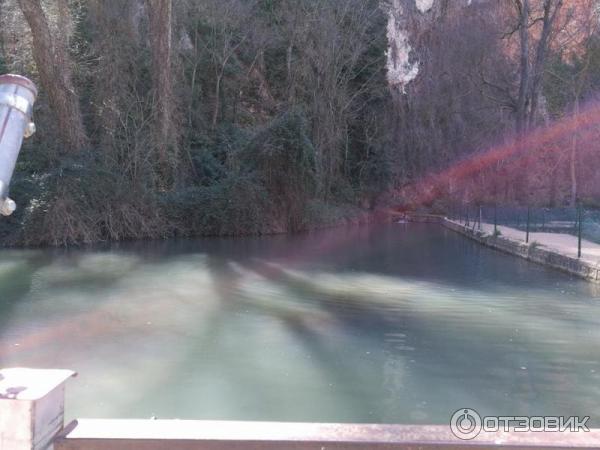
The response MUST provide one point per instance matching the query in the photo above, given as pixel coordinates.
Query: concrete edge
(107, 434)
(534, 253)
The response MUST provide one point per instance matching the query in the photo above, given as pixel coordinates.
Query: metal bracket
(7, 207)
(16, 102)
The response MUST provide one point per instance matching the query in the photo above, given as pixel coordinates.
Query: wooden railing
(32, 418)
(203, 435)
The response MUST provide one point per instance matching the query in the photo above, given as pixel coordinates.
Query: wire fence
(528, 223)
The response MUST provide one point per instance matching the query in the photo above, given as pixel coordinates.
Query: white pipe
(17, 96)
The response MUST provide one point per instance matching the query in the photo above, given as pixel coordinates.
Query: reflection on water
(392, 324)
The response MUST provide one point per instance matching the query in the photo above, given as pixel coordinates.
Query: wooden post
(31, 407)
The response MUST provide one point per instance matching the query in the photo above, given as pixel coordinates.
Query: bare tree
(228, 30)
(551, 9)
(529, 16)
(117, 94)
(335, 75)
(522, 101)
(55, 70)
(161, 16)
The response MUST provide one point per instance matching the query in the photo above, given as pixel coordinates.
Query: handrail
(106, 434)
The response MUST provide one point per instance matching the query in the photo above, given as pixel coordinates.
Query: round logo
(466, 424)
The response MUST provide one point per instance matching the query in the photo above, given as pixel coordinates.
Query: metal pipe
(17, 96)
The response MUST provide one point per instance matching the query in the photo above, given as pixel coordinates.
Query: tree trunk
(217, 108)
(574, 144)
(54, 67)
(64, 24)
(160, 14)
(521, 113)
(540, 60)
(290, 75)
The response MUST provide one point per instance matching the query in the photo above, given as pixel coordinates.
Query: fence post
(528, 220)
(495, 219)
(580, 220)
(544, 219)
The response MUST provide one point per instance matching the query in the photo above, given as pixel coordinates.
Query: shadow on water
(433, 345)
(17, 270)
(405, 322)
(341, 371)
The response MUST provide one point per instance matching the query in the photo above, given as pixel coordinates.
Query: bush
(282, 157)
(321, 214)
(236, 205)
(80, 203)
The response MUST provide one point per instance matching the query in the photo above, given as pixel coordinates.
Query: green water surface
(382, 324)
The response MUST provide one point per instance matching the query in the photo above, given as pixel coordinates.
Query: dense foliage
(225, 117)
(203, 117)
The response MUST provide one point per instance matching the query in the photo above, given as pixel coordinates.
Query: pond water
(380, 324)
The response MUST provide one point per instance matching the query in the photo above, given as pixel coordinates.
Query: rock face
(400, 69)
(407, 19)
(424, 5)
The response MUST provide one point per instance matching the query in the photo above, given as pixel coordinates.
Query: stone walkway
(565, 244)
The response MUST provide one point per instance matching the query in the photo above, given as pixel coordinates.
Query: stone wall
(534, 253)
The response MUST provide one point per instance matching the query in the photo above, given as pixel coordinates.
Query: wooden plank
(209, 435)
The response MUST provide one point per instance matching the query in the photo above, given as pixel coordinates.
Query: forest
(177, 118)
